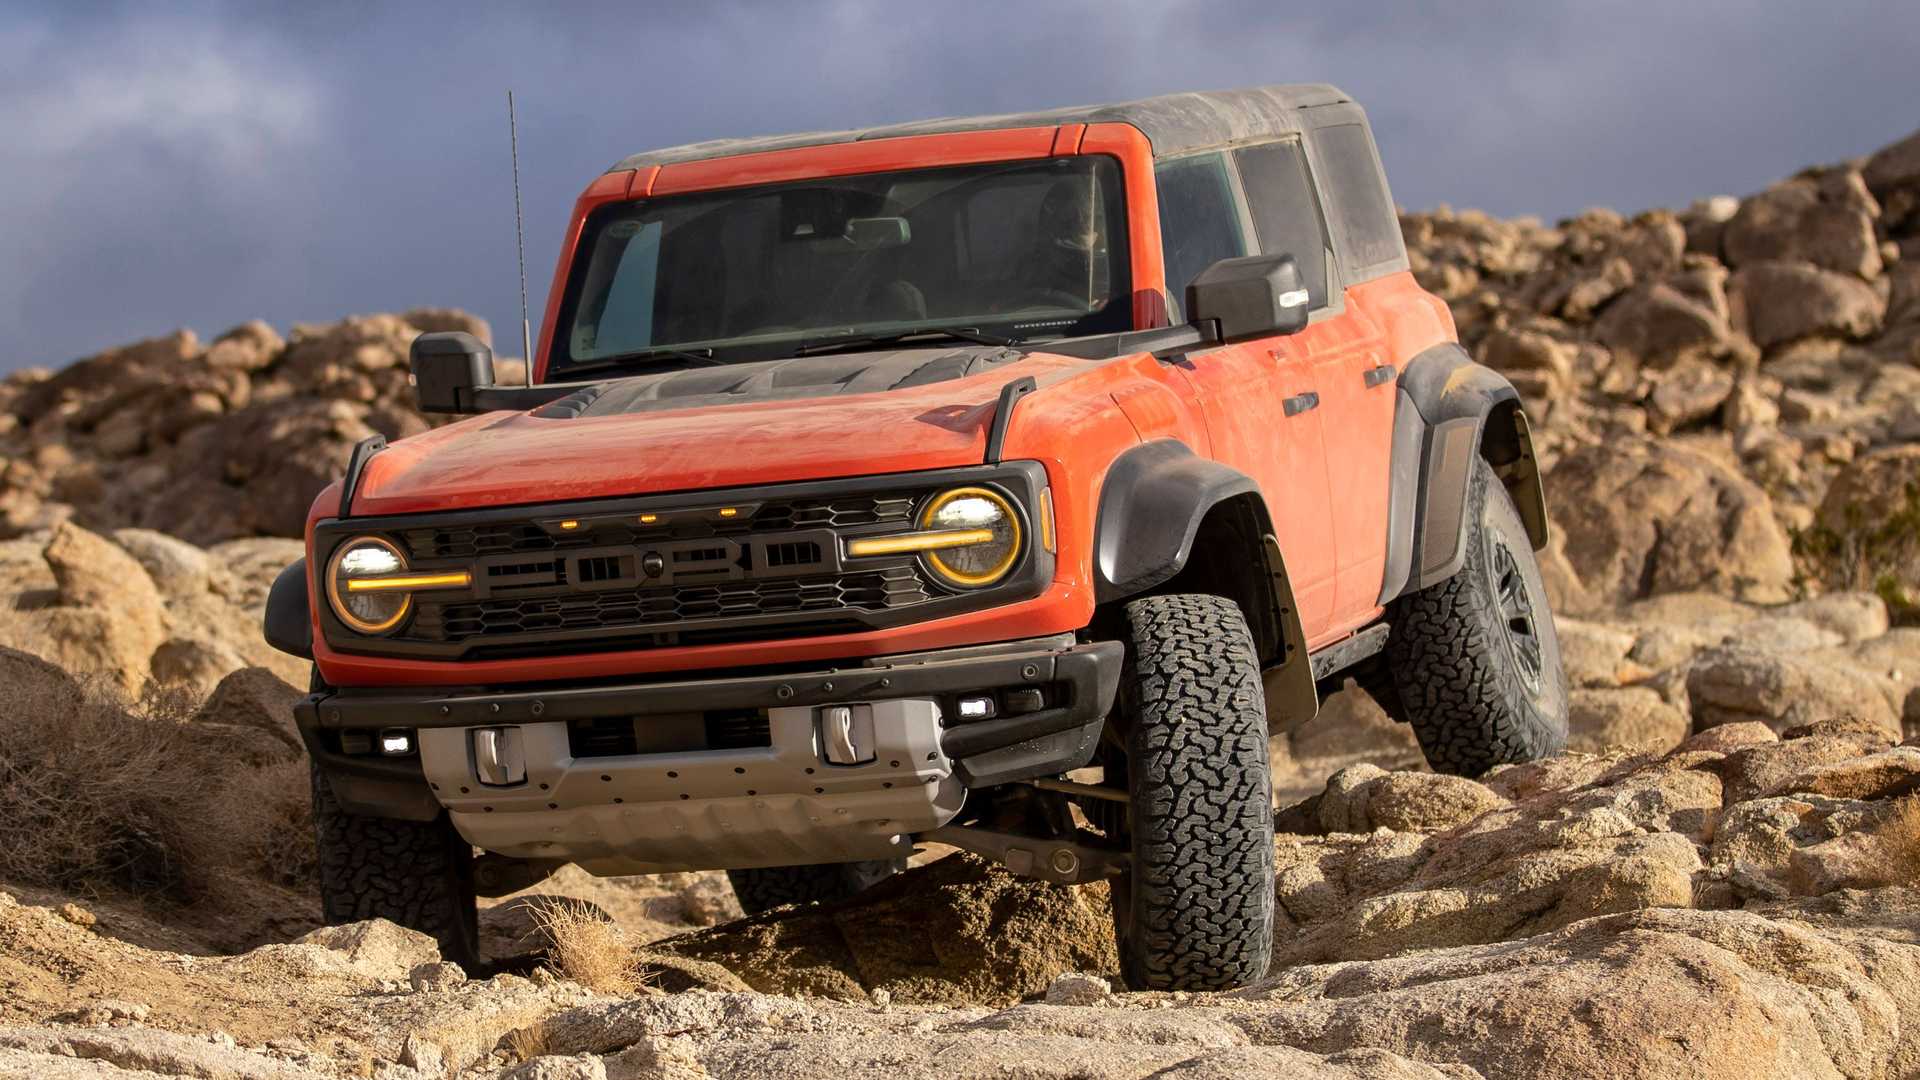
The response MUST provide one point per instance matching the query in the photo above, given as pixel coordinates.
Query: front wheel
(415, 873)
(1195, 911)
(1474, 658)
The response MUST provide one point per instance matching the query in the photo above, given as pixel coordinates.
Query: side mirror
(448, 367)
(1253, 296)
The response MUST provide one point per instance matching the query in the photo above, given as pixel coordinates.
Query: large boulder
(1642, 518)
(1788, 301)
(1738, 683)
(1828, 223)
(1660, 325)
(104, 618)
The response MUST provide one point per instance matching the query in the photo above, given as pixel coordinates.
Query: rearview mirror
(874, 233)
(1253, 296)
(448, 367)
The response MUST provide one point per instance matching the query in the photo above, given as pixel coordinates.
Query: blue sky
(201, 164)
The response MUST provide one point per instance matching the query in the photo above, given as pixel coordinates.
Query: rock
(956, 929)
(1512, 350)
(198, 665)
(1660, 325)
(1691, 392)
(1868, 529)
(1749, 772)
(1894, 167)
(439, 320)
(255, 698)
(1735, 683)
(550, 1067)
(248, 347)
(1362, 798)
(176, 568)
(114, 590)
(1079, 988)
(377, 948)
(1594, 654)
(1787, 301)
(1726, 738)
(1792, 221)
(1852, 616)
(439, 975)
(1642, 518)
(1632, 716)
(1884, 775)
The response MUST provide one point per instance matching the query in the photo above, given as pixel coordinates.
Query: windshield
(1015, 249)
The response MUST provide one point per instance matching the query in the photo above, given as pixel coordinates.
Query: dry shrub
(260, 823)
(528, 1042)
(588, 948)
(94, 790)
(99, 793)
(1899, 837)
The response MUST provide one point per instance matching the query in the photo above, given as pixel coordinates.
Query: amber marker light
(918, 541)
(459, 580)
(569, 525)
(648, 519)
(729, 511)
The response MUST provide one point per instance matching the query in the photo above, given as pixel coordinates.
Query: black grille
(474, 541)
(871, 590)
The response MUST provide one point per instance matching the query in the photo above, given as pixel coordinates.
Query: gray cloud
(202, 165)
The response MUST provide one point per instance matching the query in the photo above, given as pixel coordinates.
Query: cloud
(205, 163)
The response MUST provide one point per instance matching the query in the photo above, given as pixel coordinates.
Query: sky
(200, 164)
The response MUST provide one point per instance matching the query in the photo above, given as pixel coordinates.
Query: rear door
(1258, 397)
(1346, 348)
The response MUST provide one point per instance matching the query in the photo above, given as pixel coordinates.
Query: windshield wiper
(867, 341)
(700, 357)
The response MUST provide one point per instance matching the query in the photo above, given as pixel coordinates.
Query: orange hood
(812, 418)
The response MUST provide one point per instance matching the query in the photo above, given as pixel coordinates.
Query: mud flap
(1292, 699)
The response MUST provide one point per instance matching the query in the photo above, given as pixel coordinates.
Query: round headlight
(973, 565)
(369, 611)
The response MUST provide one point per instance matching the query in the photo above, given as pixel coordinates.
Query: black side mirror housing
(448, 367)
(1253, 296)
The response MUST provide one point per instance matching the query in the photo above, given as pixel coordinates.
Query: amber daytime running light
(968, 537)
(370, 589)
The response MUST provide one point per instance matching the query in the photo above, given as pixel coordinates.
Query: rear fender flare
(1449, 411)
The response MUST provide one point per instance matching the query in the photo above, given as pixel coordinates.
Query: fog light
(976, 708)
(396, 743)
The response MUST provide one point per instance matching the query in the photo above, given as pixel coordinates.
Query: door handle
(1300, 403)
(1382, 374)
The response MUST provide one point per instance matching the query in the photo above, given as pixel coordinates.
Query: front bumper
(777, 804)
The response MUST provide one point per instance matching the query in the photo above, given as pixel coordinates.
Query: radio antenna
(520, 240)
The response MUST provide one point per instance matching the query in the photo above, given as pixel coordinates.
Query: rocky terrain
(1720, 878)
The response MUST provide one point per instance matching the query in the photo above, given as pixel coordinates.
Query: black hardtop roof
(1172, 123)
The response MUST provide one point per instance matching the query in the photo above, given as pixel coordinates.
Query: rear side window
(1364, 222)
(1199, 220)
(1286, 210)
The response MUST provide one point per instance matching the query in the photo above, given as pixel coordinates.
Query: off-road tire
(415, 873)
(1460, 659)
(769, 887)
(1195, 911)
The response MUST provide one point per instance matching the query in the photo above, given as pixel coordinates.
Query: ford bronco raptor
(1001, 483)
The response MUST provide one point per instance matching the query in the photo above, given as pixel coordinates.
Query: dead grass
(95, 790)
(528, 1042)
(588, 948)
(1899, 837)
(99, 793)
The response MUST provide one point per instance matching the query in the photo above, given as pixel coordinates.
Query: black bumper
(1083, 679)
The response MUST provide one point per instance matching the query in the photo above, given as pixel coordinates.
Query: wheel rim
(1517, 616)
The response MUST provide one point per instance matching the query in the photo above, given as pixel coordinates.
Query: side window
(1364, 221)
(1199, 223)
(1286, 210)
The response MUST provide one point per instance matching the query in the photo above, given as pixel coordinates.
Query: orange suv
(1000, 482)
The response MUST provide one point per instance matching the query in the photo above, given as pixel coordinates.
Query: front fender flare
(1151, 506)
(288, 624)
